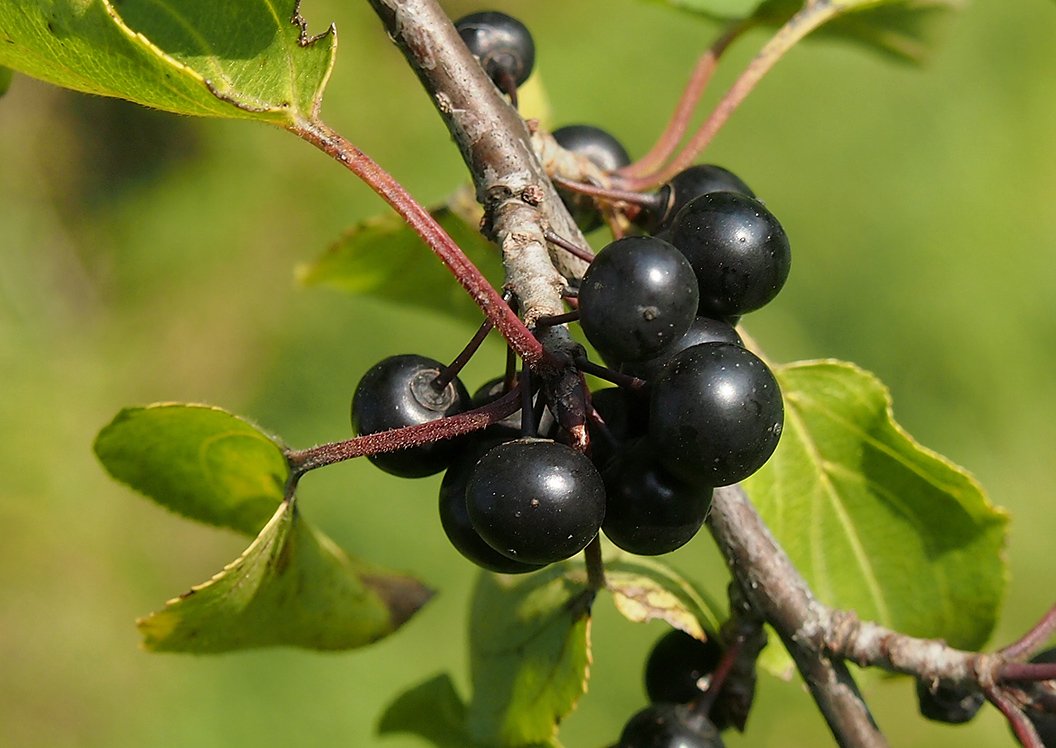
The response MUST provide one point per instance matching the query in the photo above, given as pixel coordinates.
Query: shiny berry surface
(690, 184)
(738, 250)
(648, 511)
(501, 43)
(454, 515)
(676, 666)
(398, 391)
(669, 726)
(638, 295)
(535, 501)
(715, 414)
(604, 151)
(703, 330)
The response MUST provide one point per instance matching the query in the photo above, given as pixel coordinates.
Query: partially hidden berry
(688, 185)
(949, 704)
(678, 667)
(648, 511)
(600, 148)
(703, 330)
(669, 726)
(503, 44)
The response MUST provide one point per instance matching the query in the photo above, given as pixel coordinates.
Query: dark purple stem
(301, 461)
(432, 233)
(1033, 640)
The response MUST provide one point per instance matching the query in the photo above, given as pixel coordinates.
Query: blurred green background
(149, 257)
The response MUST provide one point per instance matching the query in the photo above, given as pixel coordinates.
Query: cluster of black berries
(682, 711)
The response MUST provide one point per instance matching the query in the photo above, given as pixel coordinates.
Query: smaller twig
(1031, 641)
(595, 564)
(609, 194)
(603, 372)
(557, 319)
(806, 20)
(679, 122)
(459, 362)
(1023, 728)
(1026, 671)
(571, 247)
(303, 460)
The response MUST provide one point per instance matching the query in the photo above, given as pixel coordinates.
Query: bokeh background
(149, 257)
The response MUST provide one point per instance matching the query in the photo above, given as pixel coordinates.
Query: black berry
(626, 416)
(535, 501)
(703, 330)
(737, 249)
(503, 45)
(669, 726)
(688, 185)
(604, 151)
(648, 511)
(454, 515)
(715, 414)
(948, 704)
(398, 392)
(638, 295)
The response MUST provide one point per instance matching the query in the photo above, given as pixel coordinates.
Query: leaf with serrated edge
(292, 587)
(238, 58)
(906, 30)
(529, 654)
(875, 522)
(384, 258)
(197, 460)
(645, 590)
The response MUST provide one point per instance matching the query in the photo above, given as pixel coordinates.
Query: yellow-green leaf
(292, 587)
(529, 654)
(875, 522)
(251, 59)
(646, 589)
(197, 460)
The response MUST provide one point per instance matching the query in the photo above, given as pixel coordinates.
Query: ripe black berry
(599, 147)
(398, 392)
(948, 704)
(737, 248)
(535, 501)
(688, 185)
(638, 295)
(675, 669)
(626, 416)
(669, 726)
(715, 414)
(647, 510)
(454, 515)
(703, 330)
(503, 45)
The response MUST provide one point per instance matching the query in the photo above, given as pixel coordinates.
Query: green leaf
(904, 29)
(644, 590)
(199, 461)
(529, 654)
(875, 522)
(5, 80)
(432, 710)
(291, 587)
(250, 59)
(384, 258)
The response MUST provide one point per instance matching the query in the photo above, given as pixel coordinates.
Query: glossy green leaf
(5, 80)
(384, 258)
(646, 589)
(291, 587)
(905, 29)
(199, 461)
(529, 654)
(238, 58)
(875, 522)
